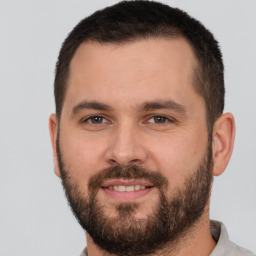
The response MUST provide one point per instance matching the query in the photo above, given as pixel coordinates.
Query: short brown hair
(131, 20)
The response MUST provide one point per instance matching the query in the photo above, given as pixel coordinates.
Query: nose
(126, 147)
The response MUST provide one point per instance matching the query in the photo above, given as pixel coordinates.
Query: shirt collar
(223, 247)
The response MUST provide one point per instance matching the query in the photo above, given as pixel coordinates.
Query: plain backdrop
(34, 216)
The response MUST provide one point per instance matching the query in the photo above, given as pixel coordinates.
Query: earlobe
(53, 128)
(223, 142)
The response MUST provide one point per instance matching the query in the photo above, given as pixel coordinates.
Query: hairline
(197, 83)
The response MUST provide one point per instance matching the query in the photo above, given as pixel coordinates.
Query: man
(139, 131)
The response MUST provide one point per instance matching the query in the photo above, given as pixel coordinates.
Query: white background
(34, 216)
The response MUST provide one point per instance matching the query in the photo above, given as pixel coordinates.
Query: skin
(125, 77)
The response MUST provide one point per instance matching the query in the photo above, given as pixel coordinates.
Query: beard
(124, 235)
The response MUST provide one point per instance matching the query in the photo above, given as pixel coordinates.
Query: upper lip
(126, 182)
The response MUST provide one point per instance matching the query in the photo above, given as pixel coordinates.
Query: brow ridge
(146, 106)
(166, 104)
(91, 105)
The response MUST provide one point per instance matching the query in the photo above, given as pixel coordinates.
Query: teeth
(129, 188)
(126, 188)
(137, 187)
(121, 188)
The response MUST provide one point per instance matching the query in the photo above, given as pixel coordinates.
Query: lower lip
(127, 196)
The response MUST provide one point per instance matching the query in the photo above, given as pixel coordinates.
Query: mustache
(130, 172)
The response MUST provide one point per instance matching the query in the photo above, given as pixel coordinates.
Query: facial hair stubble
(172, 216)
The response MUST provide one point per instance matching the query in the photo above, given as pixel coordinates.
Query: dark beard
(125, 235)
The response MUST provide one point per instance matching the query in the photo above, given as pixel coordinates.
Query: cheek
(82, 155)
(177, 156)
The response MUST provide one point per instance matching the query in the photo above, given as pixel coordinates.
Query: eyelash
(89, 119)
(166, 119)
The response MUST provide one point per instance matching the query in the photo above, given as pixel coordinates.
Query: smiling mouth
(126, 190)
(123, 188)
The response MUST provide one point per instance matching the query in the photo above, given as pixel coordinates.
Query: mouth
(126, 190)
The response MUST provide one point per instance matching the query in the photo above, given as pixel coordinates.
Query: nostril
(134, 161)
(123, 155)
(112, 161)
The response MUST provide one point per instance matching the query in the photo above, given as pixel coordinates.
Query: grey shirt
(224, 246)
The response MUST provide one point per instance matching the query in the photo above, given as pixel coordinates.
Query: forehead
(144, 69)
(142, 53)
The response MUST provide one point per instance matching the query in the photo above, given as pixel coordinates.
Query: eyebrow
(147, 106)
(168, 104)
(91, 105)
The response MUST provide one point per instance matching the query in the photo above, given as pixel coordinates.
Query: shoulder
(238, 251)
(224, 246)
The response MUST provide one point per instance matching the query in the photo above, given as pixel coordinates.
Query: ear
(53, 127)
(223, 142)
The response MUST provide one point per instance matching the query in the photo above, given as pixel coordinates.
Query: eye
(159, 119)
(96, 120)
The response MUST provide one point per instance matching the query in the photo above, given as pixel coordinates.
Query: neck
(196, 242)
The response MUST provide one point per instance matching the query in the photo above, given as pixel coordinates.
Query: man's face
(133, 137)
